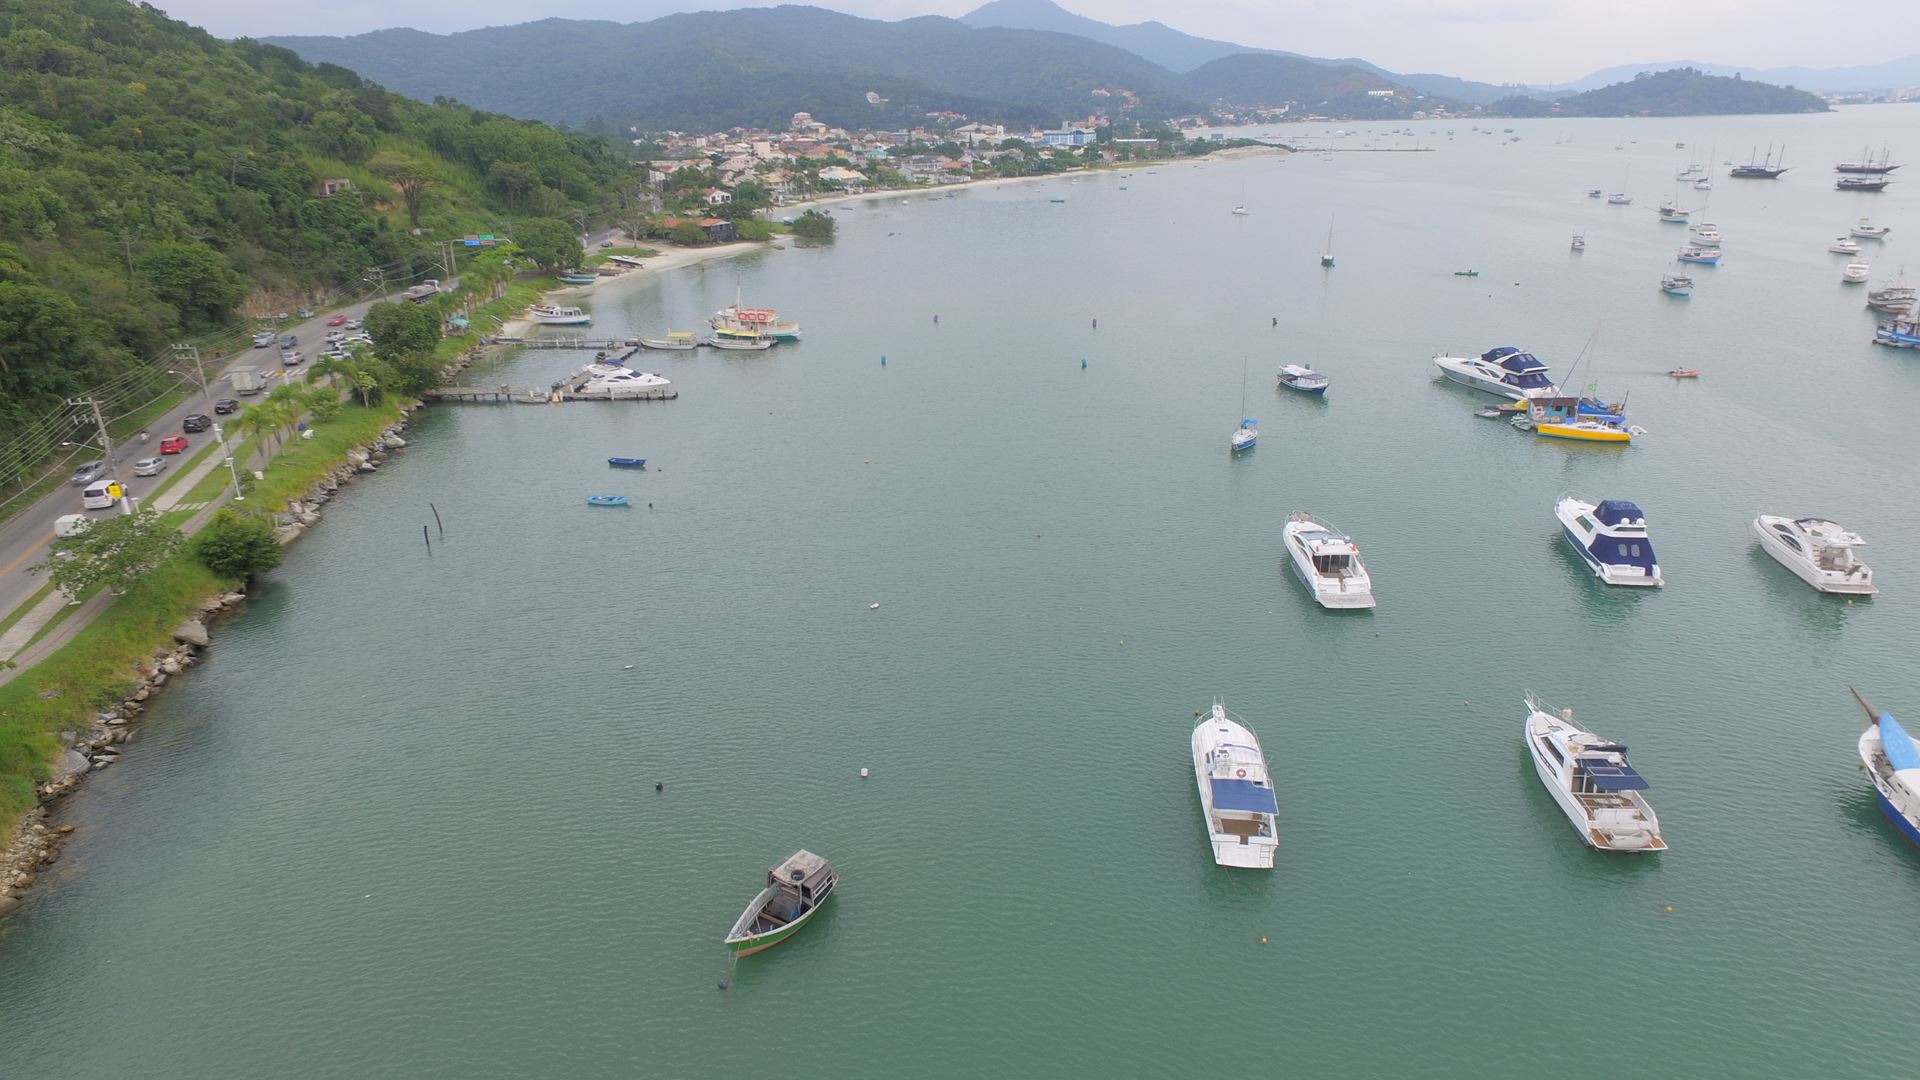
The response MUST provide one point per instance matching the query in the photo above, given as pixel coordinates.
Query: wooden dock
(570, 388)
(570, 341)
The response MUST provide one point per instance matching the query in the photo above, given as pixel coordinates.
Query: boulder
(394, 442)
(367, 466)
(8, 905)
(192, 632)
(309, 519)
(170, 666)
(287, 534)
(232, 598)
(68, 765)
(159, 679)
(356, 458)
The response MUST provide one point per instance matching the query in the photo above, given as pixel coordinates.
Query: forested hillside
(152, 177)
(1680, 92)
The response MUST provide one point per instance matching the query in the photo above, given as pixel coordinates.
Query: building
(834, 174)
(1380, 93)
(1066, 137)
(331, 186)
(718, 230)
(717, 196)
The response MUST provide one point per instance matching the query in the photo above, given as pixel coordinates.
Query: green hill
(1250, 79)
(1679, 92)
(153, 178)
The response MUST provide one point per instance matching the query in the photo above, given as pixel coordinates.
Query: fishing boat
(1595, 193)
(1865, 229)
(1620, 198)
(554, 315)
(739, 344)
(797, 886)
(1867, 166)
(627, 462)
(1579, 242)
(1684, 373)
(1237, 801)
(749, 322)
(1898, 333)
(1856, 273)
(1303, 379)
(1579, 419)
(1704, 234)
(1818, 552)
(1611, 537)
(1326, 253)
(1591, 780)
(1327, 562)
(1506, 371)
(606, 500)
(675, 341)
(1763, 170)
(1844, 245)
(1895, 296)
(1892, 762)
(1694, 253)
(1676, 285)
(1239, 211)
(576, 277)
(1861, 183)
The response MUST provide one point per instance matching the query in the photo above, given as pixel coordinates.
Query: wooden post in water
(428, 540)
(436, 520)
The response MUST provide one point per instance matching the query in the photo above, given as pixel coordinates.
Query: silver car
(149, 466)
(92, 470)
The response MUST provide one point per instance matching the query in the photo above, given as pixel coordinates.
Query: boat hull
(749, 944)
(1567, 511)
(1906, 828)
(1582, 434)
(1459, 371)
(1327, 594)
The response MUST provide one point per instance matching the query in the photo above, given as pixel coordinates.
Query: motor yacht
(1704, 234)
(1611, 537)
(623, 383)
(1506, 371)
(1818, 551)
(1856, 273)
(1590, 778)
(1695, 253)
(1620, 198)
(1237, 800)
(1328, 563)
(1865, 229)
(1844, 245)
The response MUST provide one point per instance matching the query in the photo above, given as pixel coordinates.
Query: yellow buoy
(1669, 909)
(1263, 941)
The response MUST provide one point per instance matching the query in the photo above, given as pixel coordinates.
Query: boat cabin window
(1331, 564)
(1587, 523)
(1554, 750)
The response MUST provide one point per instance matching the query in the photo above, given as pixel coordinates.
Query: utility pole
(106, 441)
(378, 275)
(192, 353)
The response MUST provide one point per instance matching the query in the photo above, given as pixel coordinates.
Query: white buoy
(863, 774)
(873, 607)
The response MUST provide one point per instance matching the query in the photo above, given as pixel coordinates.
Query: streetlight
(190, 352)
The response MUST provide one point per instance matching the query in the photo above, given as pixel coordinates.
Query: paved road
(24, 537)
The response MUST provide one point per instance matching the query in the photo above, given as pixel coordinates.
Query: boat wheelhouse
(1237, 800)
(796, 888)
(1592, 781)
(1611, 538)
(1506, 371)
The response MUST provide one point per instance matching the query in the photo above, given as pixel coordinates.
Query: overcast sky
(1490, 40)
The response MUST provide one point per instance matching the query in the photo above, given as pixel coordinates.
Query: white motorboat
(1506, 371)
(1239, 211)
(1328, 563)
(1856, 273)
(554, 315)
(1591, 780)
(1892, 761)
(1676, 285)
(1865, 229)
(1620, 198)
(1611, 537)
(1303, 379)
(1703, 184)
(1844, 245)
(1669, 212)
(1594, 193)
(1706, 233)
(623, 383)
(1237, 799)
(1820, 552)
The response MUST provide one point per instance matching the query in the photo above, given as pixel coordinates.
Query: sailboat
(1241, 210)
(1326, 254)
(1249, 430)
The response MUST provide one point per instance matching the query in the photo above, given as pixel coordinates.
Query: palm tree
(258, 422)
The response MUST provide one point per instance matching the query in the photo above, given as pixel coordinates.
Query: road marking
(37, 545)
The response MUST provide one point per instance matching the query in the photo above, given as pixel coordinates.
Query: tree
(194, 279)
(550, 243)
(403, 329)
(515, 181)
(688, 234)
(814, 225)
(112, 552)
(237, 547)
(410, 177)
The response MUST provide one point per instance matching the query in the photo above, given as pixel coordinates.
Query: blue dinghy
(627, 462)
(606, 500)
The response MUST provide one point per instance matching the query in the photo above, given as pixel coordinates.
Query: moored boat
(1892, 762)
(1844, 245)
(1670, 212)
(1506, 371)
(1818, 551)
(627, 462)
(1611, 538)
(1579, 419)
(1327, 562)
(1303, 379)
(1684, 373)
(1704, 234)
(1676, 285)
(1902, 332)
(1865, 229)
(1866, 166)
(606, 500)
(740, 344)
(1579, 242)
(1705, 256)
(1245, 436)
(1895, 297)
(1766, 170)
(1591, 780)
(675, 341)
(1620, 198)
(575, 277)
(556, 315)
(1237, 800)
(617, 383)
(797, 886)
(1856, 273)
(1861, 183)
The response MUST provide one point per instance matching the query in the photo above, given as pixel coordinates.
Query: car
(288, 341)
(100, 494)
(337, 320)
(336, 354)
(196, 422)
(292, 359)
(605, 244)
(262, 340)
(306, 313)
(336, 335)
(92, 470)
(353, 324)
(150, 466)
(71, 525)
(226, 405)
(173, 444)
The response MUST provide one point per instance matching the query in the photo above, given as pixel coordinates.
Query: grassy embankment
(488, 317)
(97, 668)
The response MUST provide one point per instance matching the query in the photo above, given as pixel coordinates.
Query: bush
(237, 547)
(814, 225)
(752, 228)
(687, 234)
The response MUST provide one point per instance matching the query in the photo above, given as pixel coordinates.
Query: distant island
(1679, 92)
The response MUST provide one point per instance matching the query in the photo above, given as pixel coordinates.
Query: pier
(570, 388)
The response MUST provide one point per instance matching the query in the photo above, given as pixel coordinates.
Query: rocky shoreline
(37, 840)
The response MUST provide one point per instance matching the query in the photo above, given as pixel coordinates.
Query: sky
(1535, 41)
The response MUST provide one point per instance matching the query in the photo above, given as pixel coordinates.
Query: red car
(173, 444)
(337, 320)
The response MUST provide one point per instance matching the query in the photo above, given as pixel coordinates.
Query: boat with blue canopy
(1237, 800)
(1506, 371)
(627, 462)
(606, 500)
(1611, 538)
(1892, 761)
(1591, 779)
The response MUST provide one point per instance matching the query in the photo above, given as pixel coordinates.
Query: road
(24, 537)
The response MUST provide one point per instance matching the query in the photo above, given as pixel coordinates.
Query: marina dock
(570, 388)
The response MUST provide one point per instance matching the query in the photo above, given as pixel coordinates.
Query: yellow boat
(1579, 420)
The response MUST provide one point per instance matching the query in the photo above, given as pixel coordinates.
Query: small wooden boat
(1468, 273)
(627, 462)
(675, 341)
(741, 344)
(606, 500)
(1684, 373)
(796, 887)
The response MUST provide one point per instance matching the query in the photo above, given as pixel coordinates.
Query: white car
(99, 495)
(262, 340)
(334, 336)
(149, 466)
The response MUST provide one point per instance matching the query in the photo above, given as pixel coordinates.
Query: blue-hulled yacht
(1892, 761)
(1245, 435)
(1611, 536)
(1506, 371)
